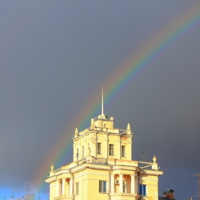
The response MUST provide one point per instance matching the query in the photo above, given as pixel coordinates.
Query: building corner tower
(103, 168)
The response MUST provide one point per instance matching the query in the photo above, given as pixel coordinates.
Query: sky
(54, 58)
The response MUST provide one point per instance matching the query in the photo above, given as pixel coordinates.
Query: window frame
(77, 155)
(99, 148)
(143, 190)
(123, 151)
(102, 186)
(111, 150)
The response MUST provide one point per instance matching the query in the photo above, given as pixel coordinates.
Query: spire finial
(76, 131)
(102, 105)
(52, 168)
(128, 129)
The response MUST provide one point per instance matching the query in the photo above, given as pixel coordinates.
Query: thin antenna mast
(12, 195)
(198, 184)
(102, 105)
(28, 189)
(144, 155)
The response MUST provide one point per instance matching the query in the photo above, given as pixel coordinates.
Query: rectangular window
(83, 151)
(103, 186)
(77, 153)
(77, 188)
(123, 151)
(143, 190)
(111, 150)
(99, 148)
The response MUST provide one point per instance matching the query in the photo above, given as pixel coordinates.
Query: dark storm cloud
(54, 55)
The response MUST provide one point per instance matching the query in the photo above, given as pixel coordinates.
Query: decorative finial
(52, 168)
(154, 159)
(76, 131)
(128, 129)
(102, 105)
(92, 124)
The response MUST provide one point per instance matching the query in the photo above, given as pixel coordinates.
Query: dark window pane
(142, 190)
(100, 186)
(111, 149)
(99, 148)
(123, 151)
(104, 186)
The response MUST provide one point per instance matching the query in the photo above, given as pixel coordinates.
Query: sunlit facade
(103, 168)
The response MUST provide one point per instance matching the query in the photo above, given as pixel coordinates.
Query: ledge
(123, 194)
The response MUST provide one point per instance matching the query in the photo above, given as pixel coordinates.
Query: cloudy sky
(54, 57)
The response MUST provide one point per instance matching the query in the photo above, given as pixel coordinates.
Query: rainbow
(142, 59)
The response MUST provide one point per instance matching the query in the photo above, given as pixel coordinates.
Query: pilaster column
(112, 183)
(71, 186)
(58, 188)
(132, 184)
(118, 149)
(107, 147)
(120, 183)
(136, 184)
(63, 186)
(75, 153)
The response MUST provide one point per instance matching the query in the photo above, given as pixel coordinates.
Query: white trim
(90, 174)
(151, 179)
(52, 185)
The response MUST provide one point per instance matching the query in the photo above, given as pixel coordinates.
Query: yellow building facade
(102, 167)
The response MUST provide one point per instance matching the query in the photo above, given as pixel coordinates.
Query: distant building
(102, 167)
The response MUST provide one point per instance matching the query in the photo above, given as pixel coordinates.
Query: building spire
(102, 105)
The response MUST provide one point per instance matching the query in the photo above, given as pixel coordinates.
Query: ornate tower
(103, 168)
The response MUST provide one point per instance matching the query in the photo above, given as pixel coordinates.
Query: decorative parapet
(92, 159)
(113, 161)
(153, 164)
(151, 172)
